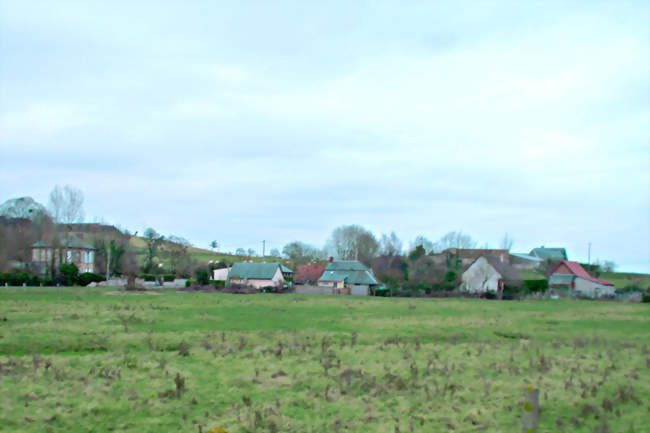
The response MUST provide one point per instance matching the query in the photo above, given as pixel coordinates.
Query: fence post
(531, 409)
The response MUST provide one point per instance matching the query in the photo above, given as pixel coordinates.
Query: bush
(645, 298)
(218, 284)
(16, 277)
(90, 277)
(202, 276)
(69, 274)
(535, 286)
(169, 278)
(190, 283)
(147, 277)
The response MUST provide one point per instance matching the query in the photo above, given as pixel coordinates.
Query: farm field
(100, 360)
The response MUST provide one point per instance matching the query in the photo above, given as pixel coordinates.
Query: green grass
(82, 360)
(624, 280)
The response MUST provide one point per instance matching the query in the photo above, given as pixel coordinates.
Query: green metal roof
(285, 270)
(256, 271)
(349, 271)
(73, 242)
(549, 253)
(563, 280)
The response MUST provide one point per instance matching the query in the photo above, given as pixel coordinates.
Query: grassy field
(91, 360)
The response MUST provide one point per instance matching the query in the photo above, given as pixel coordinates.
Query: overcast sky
(279, 121)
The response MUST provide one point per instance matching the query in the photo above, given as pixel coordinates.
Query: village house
(466, 256)
(308, 274)
(525, 261)
(220, 274)
(348, 277)
(46, 255)
(571, 276)
(554, 254)
(488, 274)
(258, 275)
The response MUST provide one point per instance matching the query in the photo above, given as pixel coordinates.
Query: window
(68, 256)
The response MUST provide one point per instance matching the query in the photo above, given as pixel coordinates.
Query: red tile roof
(577, 270)
(306, 273)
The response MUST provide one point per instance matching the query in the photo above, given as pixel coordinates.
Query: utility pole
(263, 248)
(589, 254)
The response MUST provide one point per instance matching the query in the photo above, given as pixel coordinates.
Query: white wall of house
(359, 290)
(335, 284)
(592, 289)
(276, 281)
(220, 274)
(481, 277)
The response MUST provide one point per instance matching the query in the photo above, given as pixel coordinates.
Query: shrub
(16, 277)
(202, 276)
(147, 277)
(89, 277)
(169, 278)
(534, 286)
(190, 283)
(69, 274)
(645, 298)
(218, 284)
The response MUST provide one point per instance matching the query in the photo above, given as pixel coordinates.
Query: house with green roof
(258, 275)
(63, 249)
(348, 277)
(554, 254)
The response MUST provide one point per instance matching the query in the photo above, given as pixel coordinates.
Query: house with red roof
(308, 274)
(572, 276)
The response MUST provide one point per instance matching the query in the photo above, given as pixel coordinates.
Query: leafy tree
(153, 240)
(214, 245)
(202, 276)
(69, 273)
(274, 252)
(424, 242)
(240, 252)
(417, 252)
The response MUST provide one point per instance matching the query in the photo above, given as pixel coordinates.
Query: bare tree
(353, 242)
(391, 245)
(425, 243)
(506, 242)
(66, 204)
(455, 239)
(302, 253)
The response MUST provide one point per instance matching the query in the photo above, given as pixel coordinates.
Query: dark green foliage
(189, 283)
(147, 277)
(202, 276)
(218, 284)
(450, 276)
(89, 277)
(69, 273)
(16, 277)
(418, 252)
(535, 286)
(646, 298)
(169, 278)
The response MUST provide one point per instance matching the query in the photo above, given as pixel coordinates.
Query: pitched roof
(561, 280)
(527, 257)
(350, 271)
(507, 272)
(72, 242)
(309, 273)
(285, 270)
(256, 271)
(577, 270)
(549, 253)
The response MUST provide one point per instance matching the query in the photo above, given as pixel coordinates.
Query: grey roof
(527, 257)
(507, 272)
(349, 271)
(257, 271)
(549, 253)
